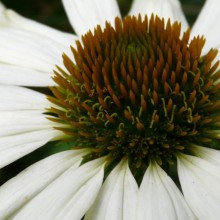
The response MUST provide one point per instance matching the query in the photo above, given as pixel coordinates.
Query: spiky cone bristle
(138, 90)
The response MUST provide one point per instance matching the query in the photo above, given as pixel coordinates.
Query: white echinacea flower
(138, 98)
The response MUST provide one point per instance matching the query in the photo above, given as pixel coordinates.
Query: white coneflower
(137, 97)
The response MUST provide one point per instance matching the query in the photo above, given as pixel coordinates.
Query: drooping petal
(18, 191)
(163, 8)
(22, 76)
(130, 195)
(23, 48)
(12, 19)
(24, 127)
(2, 7)
(117, 197)
(84, 15)
(16, 146)
(30, 46)
(208, 23)
(159, 198)
(18, 122)
(208, 154)
(200, 185)
(83, 199)
(18, 98)
(76, 188)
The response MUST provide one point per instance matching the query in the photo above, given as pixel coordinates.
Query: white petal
(117, 198)
(21, 189)
(29, 45)
(19, 98)
(159, 198)
(208, 154)
(163, 8)
(23, 48)
(21, 76)
(18, 122)
(208, 23)
(84, 15)
(83, 199)
(130, 195)
(2, 7)
(66, 191)
(23, 126)
(200, 185)
(16, 146)
(12, 19)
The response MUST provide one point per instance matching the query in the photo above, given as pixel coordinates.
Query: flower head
(137, 99)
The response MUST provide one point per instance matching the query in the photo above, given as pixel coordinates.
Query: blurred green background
(51, 12)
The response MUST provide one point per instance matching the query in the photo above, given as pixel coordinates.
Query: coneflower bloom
(137, 99)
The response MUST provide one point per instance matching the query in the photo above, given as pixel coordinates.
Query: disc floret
(138, 90)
